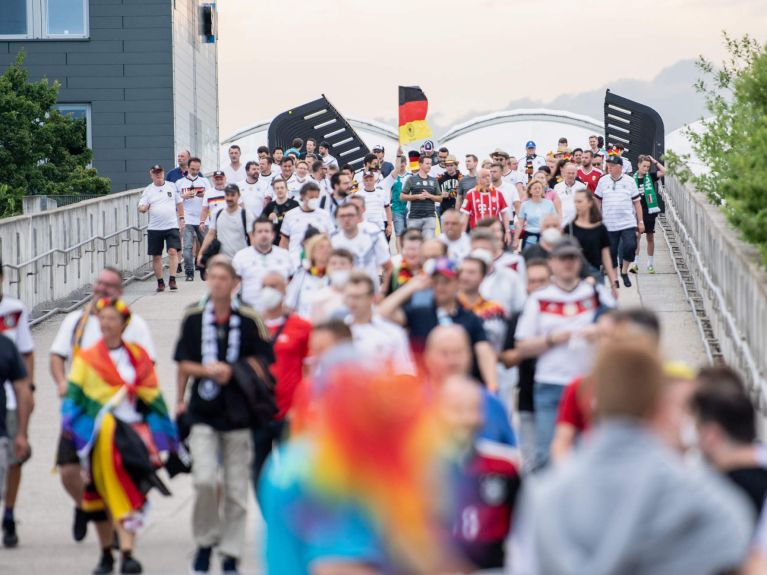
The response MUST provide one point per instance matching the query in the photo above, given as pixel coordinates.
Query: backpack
(215, 245)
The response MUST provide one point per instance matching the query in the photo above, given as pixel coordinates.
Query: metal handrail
(76, 246)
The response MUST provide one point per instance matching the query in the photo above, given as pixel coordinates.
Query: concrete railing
(53, 255)
(728, 276)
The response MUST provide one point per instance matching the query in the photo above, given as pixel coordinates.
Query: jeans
(527, 443)
(623, 243)
(400, 223)
(427, 225)
(190, 233)
(546, 399)
(263, 440)
(211, 450)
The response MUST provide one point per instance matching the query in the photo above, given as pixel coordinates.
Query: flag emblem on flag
(413, 107)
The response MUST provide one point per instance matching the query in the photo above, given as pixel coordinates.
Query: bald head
(447, 353)
(433, 249)
(461, 409)
(483, 178)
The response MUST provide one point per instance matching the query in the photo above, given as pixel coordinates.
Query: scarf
(404, 274)
(95, 389)
(207, 388)
(529, 167)
(650, 195)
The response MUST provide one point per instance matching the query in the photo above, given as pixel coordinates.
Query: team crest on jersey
(570, 309)
(492, 490)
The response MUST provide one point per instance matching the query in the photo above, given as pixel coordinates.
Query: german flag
(413, 107)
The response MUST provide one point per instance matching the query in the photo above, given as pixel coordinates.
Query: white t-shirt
(551, 309)
(233, 175)
(251, 197)
(162, 202)
(252, 266)
(264, 183)
(136, 332)
(436, 170)
(505, 287)
(510, 194)
(458, 249)
(302, 291)
(383, 343)
(193, 205)
(376, 202)
(14, 324)
(294, 187)
(329, 161)
(294, 227)
(230, 230)
(513, 178)
(215, 201)
(617, 198)
(567, 198)
(369, 248)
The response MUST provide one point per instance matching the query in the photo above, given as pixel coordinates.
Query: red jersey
(575, 406)
(590, 179)
(290, 339)
(479, 205)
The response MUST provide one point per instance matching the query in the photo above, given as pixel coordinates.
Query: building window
(43, 19)
(79, 112)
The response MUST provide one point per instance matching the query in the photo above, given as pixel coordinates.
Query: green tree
(733, 141)
(41, 150)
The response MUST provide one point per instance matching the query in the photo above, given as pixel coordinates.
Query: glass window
(66, 17)
(79, 112)
(13, 18)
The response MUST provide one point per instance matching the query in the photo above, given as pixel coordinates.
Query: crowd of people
(416, 367)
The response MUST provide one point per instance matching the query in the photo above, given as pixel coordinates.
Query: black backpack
(215, 245)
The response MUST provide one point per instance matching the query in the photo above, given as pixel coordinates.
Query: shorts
(4, 457)
(66, 454)
(12, 425)
(649, 222)
(400, 223)
(157, 239)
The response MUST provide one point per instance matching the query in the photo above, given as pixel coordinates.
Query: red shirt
(291, 347)
(590, 179)
(575, 408)
(479, 205)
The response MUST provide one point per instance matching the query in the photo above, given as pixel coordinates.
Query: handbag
(251, 402)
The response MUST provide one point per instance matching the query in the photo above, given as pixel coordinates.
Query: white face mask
(313, 203)
(339, 278)
(551, 235)
(268, 298)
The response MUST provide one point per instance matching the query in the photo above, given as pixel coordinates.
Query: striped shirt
(617, 197)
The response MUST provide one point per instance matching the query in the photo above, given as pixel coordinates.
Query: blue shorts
(400, 223)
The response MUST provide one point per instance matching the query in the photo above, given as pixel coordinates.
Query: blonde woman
(311, 277)
(531, 214)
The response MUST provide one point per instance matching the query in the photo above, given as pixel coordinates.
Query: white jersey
(162, 202)
(510, 194)
(14, 324)
(251, 197)
(294, 227)
(329, 161)
(265, 184)
(383, 343)
(295, 184)
(617, 197)
(252, 266)
(552, 309)
(137, 332)
(514, 177)
(215, 201)
(368, 247)
(302, 291)
(233, 175)
(566, 196)
(197, 186)
(457, 249)
(376, 202)
(505, 287)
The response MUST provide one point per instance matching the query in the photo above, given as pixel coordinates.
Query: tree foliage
(733, 142)
(41, 150)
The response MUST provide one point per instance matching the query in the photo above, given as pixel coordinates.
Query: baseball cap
(156, 168)
(500, 152)
(566, 246)
(378, 148)
(232, 189)
(614, 160)
(451, 159)
(445, 267)
(219, 174)
(368, 174)
(428, 146)
(530, 144)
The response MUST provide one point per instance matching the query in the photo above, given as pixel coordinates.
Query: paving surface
(165, 545)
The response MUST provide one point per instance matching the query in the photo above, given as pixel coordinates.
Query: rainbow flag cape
(107, 446)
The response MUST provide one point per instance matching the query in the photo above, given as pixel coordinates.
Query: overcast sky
(275, 54)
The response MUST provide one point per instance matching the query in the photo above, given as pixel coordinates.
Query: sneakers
(160, 286)
(106, 564)
(201, 561)
(190, 277)
(634, 268)
(130, 565)
(229, 566)
(10, 539)
(80, 525)
(650, 270)
(172, 283)
(626, 280)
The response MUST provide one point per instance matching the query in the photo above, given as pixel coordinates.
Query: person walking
(215, 334)
(424, 193)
